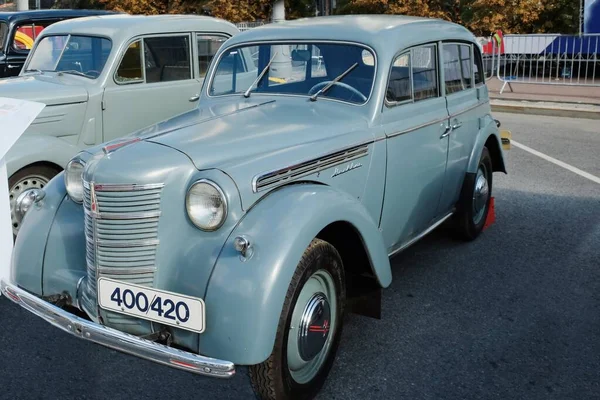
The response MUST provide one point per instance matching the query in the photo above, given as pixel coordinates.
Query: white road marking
(569, 167)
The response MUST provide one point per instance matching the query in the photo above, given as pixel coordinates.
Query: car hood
(236, 132)
(48, 89)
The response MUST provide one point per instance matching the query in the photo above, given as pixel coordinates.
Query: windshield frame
(223, 50)
(69, 35)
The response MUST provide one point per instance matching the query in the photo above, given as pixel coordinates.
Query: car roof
(386, 34)
(17, 16)
(126, 26)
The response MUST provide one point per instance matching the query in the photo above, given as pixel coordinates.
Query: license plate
(151, 304)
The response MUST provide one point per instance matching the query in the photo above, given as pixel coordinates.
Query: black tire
(45, 172)
(272, 379)
(466, 226)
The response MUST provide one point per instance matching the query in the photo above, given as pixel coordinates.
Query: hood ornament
(109, 148)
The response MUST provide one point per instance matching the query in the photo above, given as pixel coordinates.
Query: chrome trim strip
(131, 187)
(414, 128)
(123, 243)
(290, 173)
(420, 235)
(117, 340)
(126, 271)
(122, 216)
(79, 293)
(479, 104)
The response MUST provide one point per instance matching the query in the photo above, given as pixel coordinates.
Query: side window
(414, 76)
(399, 88)
(478, 67)
(26, 33)
(207, 48)
(170, 59)
(424, 72)
(457, 68)
(130, 69)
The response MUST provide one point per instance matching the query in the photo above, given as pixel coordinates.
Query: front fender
(488, 131)
(244, 299)
(30, 149)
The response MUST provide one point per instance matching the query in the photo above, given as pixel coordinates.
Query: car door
(462, 96)
(415, 121)
(157, 78)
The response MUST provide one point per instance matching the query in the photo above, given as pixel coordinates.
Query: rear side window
(478, 65)
(457, 68)
(414, 76)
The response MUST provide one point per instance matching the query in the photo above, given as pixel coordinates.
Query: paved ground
(514, 315)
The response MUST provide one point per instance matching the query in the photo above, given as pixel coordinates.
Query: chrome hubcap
(480, 194)
(27, 183)
(312, 327)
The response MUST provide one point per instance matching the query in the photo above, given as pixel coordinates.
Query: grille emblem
(93, 200)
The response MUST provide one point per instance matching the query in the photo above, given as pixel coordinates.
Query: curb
(548, 109)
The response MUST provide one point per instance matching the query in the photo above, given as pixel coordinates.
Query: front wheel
(309, 328)
(32, 177)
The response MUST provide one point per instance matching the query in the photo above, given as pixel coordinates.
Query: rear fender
(244, 298)
(487, 134)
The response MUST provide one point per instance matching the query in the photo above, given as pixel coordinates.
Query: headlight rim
(83, 164)
(221, 193)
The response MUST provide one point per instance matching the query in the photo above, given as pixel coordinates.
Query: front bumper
(117, 340)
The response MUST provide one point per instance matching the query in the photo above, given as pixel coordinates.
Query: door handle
(456, 125)
(446, 132)
(13, 66)
(195, 98)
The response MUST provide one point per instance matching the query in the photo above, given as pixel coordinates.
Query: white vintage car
(104, 77)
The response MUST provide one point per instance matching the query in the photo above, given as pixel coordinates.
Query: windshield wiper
(247, 92)
(75, 72)
(338, 78)
(33, 70)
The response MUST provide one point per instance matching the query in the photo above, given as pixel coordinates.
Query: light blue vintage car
(241, 232)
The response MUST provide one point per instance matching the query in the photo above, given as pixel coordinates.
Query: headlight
(74, 180)
(206, 205)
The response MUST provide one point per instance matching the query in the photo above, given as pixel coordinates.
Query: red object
(491, 216)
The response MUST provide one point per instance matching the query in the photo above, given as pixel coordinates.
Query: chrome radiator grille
(121, 227)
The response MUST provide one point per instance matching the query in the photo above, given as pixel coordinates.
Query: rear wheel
(475, 199)
(309, 328)
(34, 177)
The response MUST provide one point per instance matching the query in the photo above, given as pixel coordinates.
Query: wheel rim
(481, 194)
(312, 328)
(27, 183)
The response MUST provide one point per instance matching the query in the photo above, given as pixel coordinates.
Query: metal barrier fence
(244, 26)
(570, 60)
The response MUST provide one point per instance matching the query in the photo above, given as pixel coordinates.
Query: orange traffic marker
(491, 217)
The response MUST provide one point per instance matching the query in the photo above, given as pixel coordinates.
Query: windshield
(297, 69)
(3, 33)
(78, 55)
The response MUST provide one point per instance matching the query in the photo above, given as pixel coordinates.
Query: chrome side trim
(290, 173)
(117, 340)
(122, 216)
(414, 128)
(132, 187)
(420, 235)
(479, 104)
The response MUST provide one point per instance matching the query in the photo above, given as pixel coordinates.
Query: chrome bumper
(117, 340)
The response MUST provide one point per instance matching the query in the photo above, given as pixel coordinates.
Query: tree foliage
(480, 16)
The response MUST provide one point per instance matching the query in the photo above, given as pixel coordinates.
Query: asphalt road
(513, 315)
